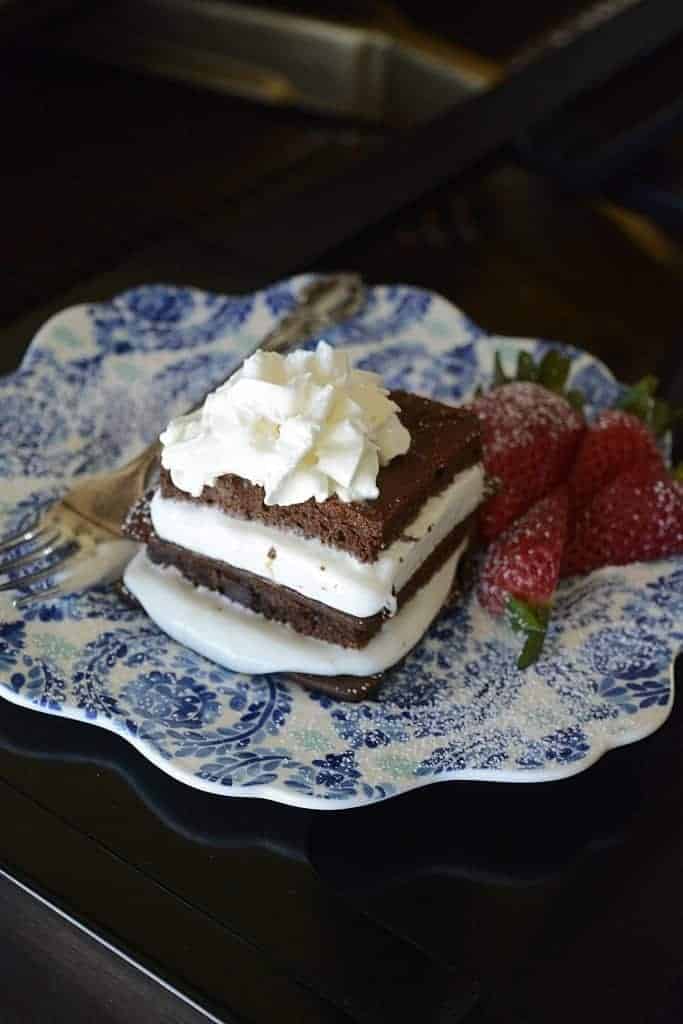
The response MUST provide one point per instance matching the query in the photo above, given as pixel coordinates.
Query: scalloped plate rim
(295, 799)
(280, 792)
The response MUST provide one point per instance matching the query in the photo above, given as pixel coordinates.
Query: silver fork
(79, 539)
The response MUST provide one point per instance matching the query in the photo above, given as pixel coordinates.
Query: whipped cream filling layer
(308, 566)
(241, 640)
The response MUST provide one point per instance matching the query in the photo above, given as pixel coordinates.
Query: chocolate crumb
(122, 591)
(492, 486)
(272, 554)
(138, 522)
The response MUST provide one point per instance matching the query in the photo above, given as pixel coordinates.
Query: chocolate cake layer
(444, 441)
(357, 688)
(282, 604)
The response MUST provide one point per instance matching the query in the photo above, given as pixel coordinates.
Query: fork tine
(35, 597)
(65, 576)
(50, 545)
(34, 577)
(20, 537)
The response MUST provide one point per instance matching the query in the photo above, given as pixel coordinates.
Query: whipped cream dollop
(302, 426)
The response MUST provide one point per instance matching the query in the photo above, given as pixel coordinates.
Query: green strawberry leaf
(661, 417)
(677, 473)
(532, 622)
(526, 367)
(553, 371)
(522, 616)
(638, 398)
(576, 399)
(640, 401)
(499, 377)
(531, 651)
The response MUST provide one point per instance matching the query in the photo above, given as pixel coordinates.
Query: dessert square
(340, 584)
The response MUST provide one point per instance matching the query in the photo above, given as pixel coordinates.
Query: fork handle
(107, 499)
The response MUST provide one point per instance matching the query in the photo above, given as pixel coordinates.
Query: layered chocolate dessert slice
(307, 520)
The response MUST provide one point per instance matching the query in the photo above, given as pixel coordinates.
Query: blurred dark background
(131, 126)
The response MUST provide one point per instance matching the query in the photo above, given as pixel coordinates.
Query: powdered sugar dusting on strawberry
(530, 436)
(637, 517)
(612, 443)
(513, 415)
(525, 561)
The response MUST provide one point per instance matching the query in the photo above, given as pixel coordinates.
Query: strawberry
(530, 436)
(521, 569)
(636, 517)
(612, 443)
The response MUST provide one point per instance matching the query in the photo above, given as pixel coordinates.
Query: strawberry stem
(532, 622)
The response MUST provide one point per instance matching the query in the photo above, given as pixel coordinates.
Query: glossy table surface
(473, 902)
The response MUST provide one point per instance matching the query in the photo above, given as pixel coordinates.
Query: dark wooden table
(463, 901)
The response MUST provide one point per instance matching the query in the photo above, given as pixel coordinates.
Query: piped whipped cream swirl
(302, 426)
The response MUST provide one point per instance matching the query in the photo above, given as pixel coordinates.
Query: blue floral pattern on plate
(99, 381)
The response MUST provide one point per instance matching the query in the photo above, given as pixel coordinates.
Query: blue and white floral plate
(98, 382)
